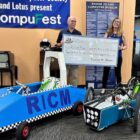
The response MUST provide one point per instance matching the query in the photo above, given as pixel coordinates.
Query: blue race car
(24, 104)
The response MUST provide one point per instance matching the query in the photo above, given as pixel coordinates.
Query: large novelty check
(80, 50)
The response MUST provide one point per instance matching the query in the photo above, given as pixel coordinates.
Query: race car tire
(132, 82)
(136, 113)
(78, 108)
(89, 94)
(23, 131)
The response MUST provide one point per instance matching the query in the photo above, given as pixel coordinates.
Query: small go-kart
(121, 103)
(23, 104)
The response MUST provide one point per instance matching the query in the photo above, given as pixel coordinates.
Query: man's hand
(61, 43)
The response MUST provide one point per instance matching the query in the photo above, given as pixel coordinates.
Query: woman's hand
(122, 47)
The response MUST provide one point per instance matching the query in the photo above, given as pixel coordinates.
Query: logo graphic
(68, 40)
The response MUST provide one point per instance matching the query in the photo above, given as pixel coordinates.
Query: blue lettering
(43, 101)
(38, 103)
(65, 97)
(52, 94)
(32, 102)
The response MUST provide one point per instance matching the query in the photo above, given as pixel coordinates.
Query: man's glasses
(73, 20)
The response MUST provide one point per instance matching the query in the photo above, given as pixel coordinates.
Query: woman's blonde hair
(110, 29)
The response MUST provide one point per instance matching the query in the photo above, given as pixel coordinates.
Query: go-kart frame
(103, 110)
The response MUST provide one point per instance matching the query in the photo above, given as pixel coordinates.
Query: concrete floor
(69, 127)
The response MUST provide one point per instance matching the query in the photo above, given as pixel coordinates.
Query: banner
(34, 13)
(80, 50)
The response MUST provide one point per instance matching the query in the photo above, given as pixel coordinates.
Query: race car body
(17, 106)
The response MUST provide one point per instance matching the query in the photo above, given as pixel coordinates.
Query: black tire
(131, 85)
(78, 108)
(23, 131)
(89, 94)
(136, 113)
(132, 82)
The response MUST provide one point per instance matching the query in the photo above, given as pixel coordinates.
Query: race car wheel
(23, 131)
(132, 82)
(78, 108)
(131, 86)
(136, 113)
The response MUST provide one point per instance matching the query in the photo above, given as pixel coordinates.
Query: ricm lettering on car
(51, 100)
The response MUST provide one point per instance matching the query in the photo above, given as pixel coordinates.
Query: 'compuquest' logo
(38, 18)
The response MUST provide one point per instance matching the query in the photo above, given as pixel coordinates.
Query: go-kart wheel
(89, 94)
(131, 86)
(78, 108)
(23, 131)
(132, 82)
(136, 113)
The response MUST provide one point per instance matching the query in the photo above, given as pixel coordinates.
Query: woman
(115, 31)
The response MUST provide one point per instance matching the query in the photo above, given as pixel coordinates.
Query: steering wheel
(123, 91)
(23, 88)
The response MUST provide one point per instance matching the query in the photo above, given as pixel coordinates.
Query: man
(72, 71)
(70, 30)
